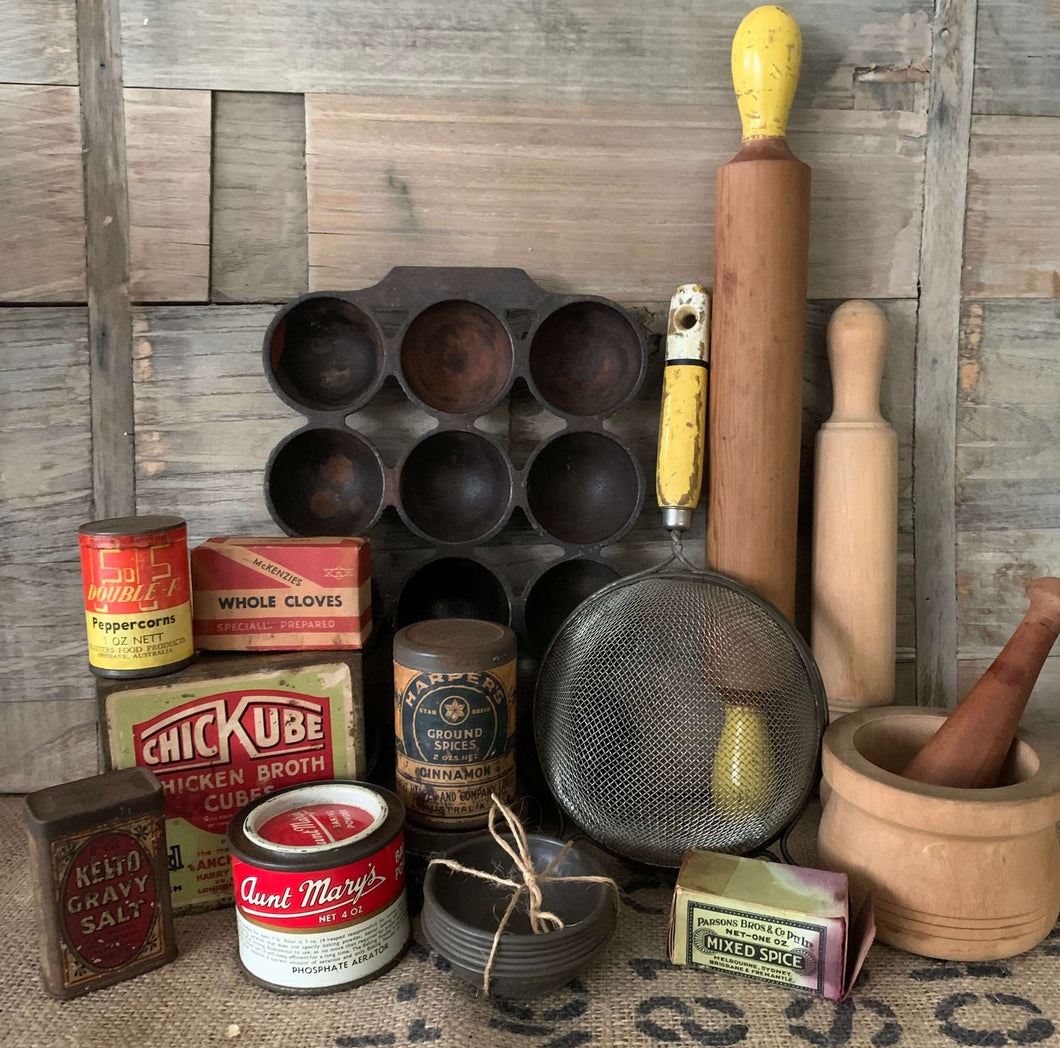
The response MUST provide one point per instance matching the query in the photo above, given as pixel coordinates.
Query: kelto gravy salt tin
(319, 874)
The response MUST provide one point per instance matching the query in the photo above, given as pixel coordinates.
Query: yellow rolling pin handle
(682, 419)
(766, 55)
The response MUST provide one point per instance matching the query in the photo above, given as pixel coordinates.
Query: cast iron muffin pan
(456, 340)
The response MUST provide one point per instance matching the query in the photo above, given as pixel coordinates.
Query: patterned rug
(630, 996)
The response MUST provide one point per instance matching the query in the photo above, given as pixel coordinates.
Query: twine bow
(541, 921)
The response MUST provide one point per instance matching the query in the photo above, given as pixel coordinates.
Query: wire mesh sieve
(678, 709)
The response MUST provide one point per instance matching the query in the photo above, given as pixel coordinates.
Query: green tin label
(217, 745)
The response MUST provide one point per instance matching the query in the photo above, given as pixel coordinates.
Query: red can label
(322, 928)
(137, 599)
(107, 894)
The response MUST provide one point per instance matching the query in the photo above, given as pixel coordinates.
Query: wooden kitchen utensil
(855, 520)
(970, 747)
(761, 256)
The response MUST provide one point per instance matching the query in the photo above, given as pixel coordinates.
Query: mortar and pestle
(950, 821)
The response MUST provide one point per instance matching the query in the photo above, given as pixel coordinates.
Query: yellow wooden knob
(766, 54)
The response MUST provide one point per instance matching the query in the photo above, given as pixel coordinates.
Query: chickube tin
(319, 874)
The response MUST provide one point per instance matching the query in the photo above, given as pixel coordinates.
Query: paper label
(218, 745)
(777, 949)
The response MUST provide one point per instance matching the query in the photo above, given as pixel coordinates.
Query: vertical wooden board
(38, 42)
(206, 417)
(46, 465)
(1017, 58)
(506, 50)
(42, 213)
(50, 741)
(167, 135)
(994, 568)
(1008, 416)
(1012, 228)
(612, 199)
(941, 249)
(259, 198)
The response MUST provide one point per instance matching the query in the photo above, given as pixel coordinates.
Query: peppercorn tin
(137, 595)
(454, 720)
(319, 875)
(98, 848)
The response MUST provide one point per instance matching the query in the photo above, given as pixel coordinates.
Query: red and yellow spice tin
(137, 595)
(319, 874)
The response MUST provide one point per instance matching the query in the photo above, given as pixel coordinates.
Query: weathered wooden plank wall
(239, 155)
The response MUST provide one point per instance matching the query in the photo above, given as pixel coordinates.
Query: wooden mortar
(961, 874)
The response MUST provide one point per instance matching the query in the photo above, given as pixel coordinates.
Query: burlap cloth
(629, 996)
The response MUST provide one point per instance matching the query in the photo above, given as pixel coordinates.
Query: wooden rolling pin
(970, 748)
(855, 520)
(761, 254)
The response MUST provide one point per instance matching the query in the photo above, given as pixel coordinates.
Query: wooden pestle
(855, 520)
(970, 747)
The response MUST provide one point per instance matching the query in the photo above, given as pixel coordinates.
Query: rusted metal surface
(98, 848)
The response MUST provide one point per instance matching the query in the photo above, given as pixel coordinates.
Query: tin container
(225, 731)
(98, 848)
(282, 594)
(319, 874)
(137, 595)
(454, 720)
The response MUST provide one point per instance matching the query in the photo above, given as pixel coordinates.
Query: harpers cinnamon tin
(137, 595)
(454, 720)
(319, 875)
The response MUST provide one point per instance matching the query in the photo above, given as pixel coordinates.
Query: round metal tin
(137, 588)
(319, 876)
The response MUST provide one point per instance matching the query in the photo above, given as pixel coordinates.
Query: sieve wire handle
(683, 414)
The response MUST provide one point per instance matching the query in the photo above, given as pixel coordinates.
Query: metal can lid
(454, 644)
(117, 526)
(316, 818)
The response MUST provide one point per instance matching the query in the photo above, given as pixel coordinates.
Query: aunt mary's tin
(454, 720)
(319, 874)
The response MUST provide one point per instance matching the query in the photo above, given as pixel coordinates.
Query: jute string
(541, 921)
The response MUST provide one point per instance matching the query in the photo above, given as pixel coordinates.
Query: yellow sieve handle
(682, 417)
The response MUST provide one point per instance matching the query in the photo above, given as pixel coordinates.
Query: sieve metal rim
(690, 574)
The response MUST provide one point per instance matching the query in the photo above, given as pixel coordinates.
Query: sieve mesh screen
(675, 710)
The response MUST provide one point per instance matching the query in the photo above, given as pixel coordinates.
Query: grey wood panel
(48, 742)
(1008, 416)
(38, 42)
(168, 158)
(612, 199)
(107, 253)
(1017, 58)
(994, 568)
(572, 50)
(942, 244)
(1012, 228)
(42, 212)
(258, 217)
(46, 463)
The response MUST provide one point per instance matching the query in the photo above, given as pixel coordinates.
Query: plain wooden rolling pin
(970, 748)
(855, 520)
(761, 235)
